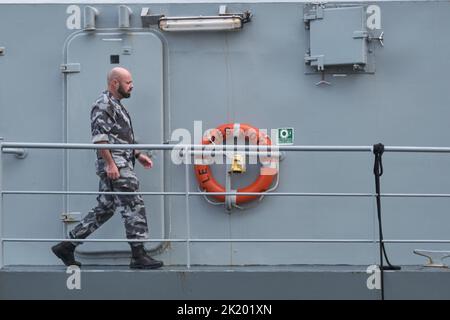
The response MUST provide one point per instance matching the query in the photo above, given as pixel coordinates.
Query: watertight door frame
(96, 53)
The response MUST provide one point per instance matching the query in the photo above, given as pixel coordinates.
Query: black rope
(378, 150)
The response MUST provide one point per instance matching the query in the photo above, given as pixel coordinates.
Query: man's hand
(111, 168)
(112, 171)
(145, 161)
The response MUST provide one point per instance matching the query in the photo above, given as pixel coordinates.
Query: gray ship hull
(333, 78)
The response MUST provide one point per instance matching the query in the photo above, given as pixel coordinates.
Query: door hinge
(70, 68)
(319, 61)
(71, 216)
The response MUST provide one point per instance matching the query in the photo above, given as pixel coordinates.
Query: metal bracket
(70, 68)
(71, 216)
(435, 257)
(320, 61)
(222, 10)
(246, 16)
(230, 200)
(18, 152)
(313, 14)
(360, 34)
(149, 19)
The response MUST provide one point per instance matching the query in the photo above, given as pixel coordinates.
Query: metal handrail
(183, 147)
(222, 147)
(314, 240)
(189, 149)
(194, 193)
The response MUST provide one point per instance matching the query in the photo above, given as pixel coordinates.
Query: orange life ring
(267, 174)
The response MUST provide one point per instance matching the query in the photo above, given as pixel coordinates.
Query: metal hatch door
(337, 37)
(89, 57)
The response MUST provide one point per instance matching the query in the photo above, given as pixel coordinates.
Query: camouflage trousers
(131, 207)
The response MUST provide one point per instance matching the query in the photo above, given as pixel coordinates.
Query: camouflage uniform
(111, 123)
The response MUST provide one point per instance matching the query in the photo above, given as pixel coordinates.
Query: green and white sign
(285, 136)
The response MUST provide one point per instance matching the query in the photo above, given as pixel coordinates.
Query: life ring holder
(268, 170)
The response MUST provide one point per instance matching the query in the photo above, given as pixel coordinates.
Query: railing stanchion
(1, 203)
(188, 218)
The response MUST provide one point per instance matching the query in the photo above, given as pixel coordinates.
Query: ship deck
(223, 283)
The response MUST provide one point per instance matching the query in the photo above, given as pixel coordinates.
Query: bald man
(111, 123)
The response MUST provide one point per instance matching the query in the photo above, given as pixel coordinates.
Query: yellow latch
(238, 165)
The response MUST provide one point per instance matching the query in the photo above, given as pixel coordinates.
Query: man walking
(111, 123)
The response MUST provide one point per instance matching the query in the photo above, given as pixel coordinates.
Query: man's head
(120, 82)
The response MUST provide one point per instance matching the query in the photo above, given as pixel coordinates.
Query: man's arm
(143, 159)
(111, 168)
(101, 126)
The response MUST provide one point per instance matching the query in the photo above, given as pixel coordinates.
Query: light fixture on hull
(222, 22)
(201, 23)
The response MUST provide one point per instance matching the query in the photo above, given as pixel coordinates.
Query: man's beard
(123, 93)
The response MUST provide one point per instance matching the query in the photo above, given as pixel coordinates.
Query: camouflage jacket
(111, 123)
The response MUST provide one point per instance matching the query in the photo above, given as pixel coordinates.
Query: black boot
(65, 251)
(141, 260)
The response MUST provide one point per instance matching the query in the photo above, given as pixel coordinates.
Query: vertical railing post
(1, 203)
(188, 221)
